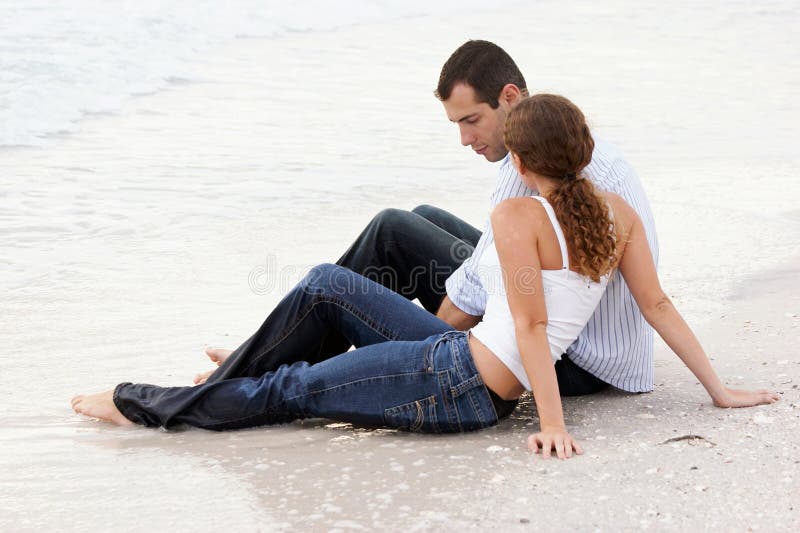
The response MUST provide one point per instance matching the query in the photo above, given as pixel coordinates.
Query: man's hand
(448, 312)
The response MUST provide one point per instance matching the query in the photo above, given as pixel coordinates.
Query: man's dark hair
(482, 65)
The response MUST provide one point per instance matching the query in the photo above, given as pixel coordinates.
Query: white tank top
(570, 299)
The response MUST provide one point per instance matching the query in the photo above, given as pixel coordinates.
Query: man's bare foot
(218, 356)
(100, 405)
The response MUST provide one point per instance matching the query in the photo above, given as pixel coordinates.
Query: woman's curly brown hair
(550, 136)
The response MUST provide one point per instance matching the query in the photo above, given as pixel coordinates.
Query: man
(479, 84)
(430, 255)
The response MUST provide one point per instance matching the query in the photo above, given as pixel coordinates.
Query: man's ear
(510, 95)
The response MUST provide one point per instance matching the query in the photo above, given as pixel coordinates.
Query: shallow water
(62, 62)
(179, 220)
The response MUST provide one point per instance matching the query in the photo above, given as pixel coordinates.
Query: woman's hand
(554, 438)
(745, 398)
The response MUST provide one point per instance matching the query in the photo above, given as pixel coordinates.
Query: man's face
(480, 126)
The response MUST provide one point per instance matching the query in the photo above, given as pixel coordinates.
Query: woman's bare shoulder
(514, 210)
(623, 213)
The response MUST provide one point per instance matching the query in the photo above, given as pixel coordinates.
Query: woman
(549, 265)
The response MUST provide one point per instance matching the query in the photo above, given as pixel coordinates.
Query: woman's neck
(540, 183)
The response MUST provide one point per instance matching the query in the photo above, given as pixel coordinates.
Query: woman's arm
(516, 224)
(639, 271)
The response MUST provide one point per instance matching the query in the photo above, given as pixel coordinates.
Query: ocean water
(64, 61)
(168, 170)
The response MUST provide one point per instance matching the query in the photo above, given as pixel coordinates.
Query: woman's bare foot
(100, 405)
(218, 356)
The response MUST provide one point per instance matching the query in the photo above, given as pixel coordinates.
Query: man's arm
(454, 316)
(465, 300)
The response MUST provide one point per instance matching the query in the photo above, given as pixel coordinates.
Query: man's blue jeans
(282, 373)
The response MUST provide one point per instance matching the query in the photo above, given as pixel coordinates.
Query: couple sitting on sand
(553, 299)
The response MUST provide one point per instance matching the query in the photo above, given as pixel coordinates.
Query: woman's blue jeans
(408, 370)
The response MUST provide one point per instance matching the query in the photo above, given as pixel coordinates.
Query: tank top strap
(562, 242)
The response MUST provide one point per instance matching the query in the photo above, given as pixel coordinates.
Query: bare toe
(202, 377)
(218, 355)
(76, 399)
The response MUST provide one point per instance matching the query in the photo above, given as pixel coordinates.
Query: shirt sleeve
(464, 287)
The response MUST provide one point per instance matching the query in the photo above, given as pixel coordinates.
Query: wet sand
(129, 246)
(666, 460)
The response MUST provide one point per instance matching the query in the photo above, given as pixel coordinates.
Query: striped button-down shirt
(617, 344)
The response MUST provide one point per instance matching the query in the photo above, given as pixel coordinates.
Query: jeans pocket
(419, 416)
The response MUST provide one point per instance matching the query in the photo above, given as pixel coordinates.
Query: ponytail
(550, 136)
(585, 217)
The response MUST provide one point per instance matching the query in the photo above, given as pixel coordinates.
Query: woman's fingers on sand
(749, 398)
(573, 447)
(533, 443)
(765, 396)
(772, 397)
(578, 449)
(567, 446)
(547, 446)
(563, 446)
